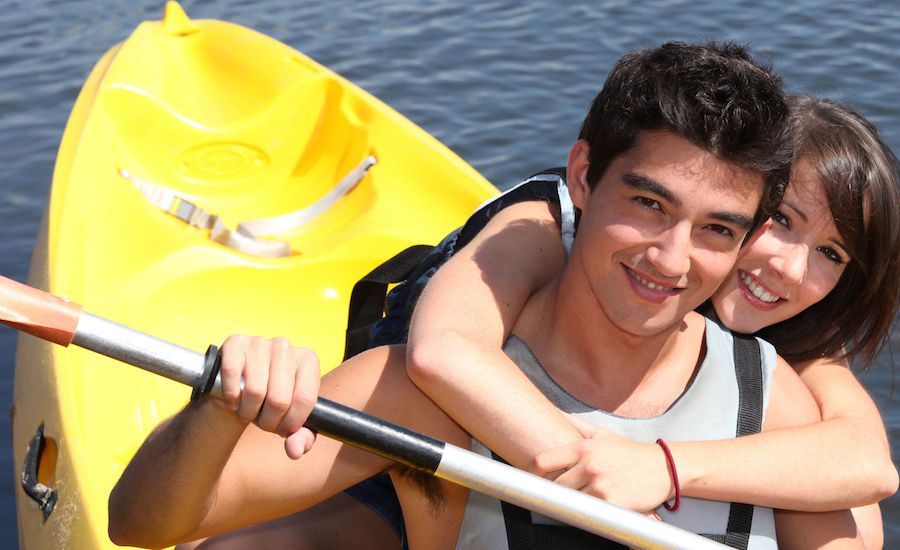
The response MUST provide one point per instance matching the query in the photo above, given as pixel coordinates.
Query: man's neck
(604, 366)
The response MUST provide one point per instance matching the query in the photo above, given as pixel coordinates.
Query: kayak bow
(181, 134)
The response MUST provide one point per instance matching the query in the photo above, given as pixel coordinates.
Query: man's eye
(648, 203)
(721, 230)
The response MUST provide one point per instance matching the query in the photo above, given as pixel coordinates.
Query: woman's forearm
(842, 462)
(831, 465)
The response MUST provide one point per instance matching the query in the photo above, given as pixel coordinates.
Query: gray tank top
(706, 410)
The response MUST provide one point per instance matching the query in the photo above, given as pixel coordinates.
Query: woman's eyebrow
(796, 209)
(840, 245)
(835, 240)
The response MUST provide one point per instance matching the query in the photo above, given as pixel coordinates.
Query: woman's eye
(779, 218)
(648, 203)
(831, 254)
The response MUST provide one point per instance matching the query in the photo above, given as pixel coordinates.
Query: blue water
(504, 83)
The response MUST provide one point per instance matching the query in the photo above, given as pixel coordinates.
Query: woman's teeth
(757, 290)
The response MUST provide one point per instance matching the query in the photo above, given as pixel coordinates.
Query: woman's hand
(272, 384)
(606, 465)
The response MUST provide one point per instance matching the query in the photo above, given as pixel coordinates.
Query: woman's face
(793, 265)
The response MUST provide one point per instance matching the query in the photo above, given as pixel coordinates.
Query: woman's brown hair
(860, 176)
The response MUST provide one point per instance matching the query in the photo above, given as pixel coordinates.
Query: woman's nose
(790, 263)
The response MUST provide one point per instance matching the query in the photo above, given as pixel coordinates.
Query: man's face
(660, 231)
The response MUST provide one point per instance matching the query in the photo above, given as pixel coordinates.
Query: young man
(679, 158)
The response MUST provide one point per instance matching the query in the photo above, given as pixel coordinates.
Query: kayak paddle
(57, 320)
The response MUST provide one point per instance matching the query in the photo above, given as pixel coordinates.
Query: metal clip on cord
(245, 238)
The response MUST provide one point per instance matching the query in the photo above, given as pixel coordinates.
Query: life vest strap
(523, 534)
(367, 300)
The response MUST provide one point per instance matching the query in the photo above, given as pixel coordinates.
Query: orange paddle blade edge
(37, 312)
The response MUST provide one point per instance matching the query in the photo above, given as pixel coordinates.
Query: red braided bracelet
(671, 462)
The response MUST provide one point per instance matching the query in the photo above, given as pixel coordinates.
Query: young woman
(822, 284)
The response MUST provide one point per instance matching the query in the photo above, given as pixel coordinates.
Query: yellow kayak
(210, 180)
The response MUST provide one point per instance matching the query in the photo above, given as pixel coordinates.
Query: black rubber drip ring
(210, 372)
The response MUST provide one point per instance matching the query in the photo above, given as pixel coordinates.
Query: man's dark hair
(712, 94)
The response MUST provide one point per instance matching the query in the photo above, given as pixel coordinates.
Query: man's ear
(752, 237)
(576, 173)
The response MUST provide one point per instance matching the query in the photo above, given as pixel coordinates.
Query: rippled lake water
(504, 83)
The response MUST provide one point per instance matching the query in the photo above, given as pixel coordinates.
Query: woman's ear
(576, 173)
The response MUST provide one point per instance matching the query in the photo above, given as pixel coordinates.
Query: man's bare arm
(206, 471)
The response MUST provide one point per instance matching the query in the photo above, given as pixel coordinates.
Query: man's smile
(650, 290)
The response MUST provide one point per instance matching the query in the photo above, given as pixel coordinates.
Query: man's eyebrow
(643, 183)
(739, 220)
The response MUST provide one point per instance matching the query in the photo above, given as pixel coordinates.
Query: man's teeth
(648, 284)
(757, 290)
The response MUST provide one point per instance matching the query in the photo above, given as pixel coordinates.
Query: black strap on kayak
(523, 534)
(369, 293)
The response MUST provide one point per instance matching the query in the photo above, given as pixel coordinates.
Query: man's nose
(670, 255)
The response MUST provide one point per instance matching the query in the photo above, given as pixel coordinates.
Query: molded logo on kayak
(221, 161)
